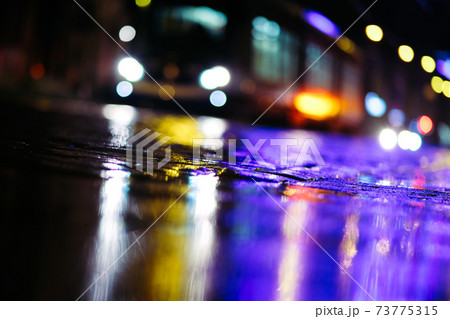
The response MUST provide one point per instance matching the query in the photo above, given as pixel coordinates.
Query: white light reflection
(203, 198)
(120, 118)
(111, 238)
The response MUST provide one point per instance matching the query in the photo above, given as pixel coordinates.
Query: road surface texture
(78, 222)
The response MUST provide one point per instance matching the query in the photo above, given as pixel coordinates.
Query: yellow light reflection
(406, 53)
(446, 88)
(347, 248)
(374, 33)
(436, 84)
(143, 3)
(317, 105)
(428, 64)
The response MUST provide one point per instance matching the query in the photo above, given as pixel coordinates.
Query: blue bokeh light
(375, 105)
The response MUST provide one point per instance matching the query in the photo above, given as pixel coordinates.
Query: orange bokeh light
(37, 71)
(425, 124)
(317, 105)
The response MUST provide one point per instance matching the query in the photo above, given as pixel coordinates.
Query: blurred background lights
(37, 71)
(375, 105)
(406, 53)
(143, 3)
(207, 17)
(131, 69)
(127, 33)
(409, 140)
(346, 45)
(216, 77)
(374, 33)
(428, 64)
(444, 133)
(321, 23)
(264, 29)
(443, 67)
(388, 139)
(436, 84)
(317, 105)
(396, 117)
(218, 98)
(124, 88)
(424, 125)
(446, 88)
(119, 113)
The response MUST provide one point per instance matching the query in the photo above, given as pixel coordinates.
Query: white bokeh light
(409, 140)
(388, 139)
(119, 113)
(124, 88)
(131, 69)
(127, 33)
(218, 76)
(218, 98)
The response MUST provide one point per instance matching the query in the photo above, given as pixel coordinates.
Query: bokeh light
(346, 45)
(428, 64)
(436, 84)
(374, 33)
(127, 33)
(317, 105)
(218, 98)
(213, 78)
(375, 105)
(396, 117)
(406, 53)
(409, 140)
(131, 69)
(37, 71)
(446, 88)
(124, 88)
(388, 139)
(143, 3)
(425, 125)
(443, 67)
(321, 23)
(166, 92)
(119, 113)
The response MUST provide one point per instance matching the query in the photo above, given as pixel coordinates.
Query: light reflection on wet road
(71, 207)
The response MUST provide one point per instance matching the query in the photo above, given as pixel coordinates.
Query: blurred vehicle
(223, 58)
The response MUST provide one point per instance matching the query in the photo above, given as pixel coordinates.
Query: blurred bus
(239, 58)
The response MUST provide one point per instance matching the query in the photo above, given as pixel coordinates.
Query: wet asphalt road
(368, 224)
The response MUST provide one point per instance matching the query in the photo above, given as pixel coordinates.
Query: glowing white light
(415, 142)
(409, 140)
(375, 105)
(124, 88)
(212, 127)
(130, 69)
(120, 114)
(127, 33)
(216, 77)
(388, 139)
(218, 98)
